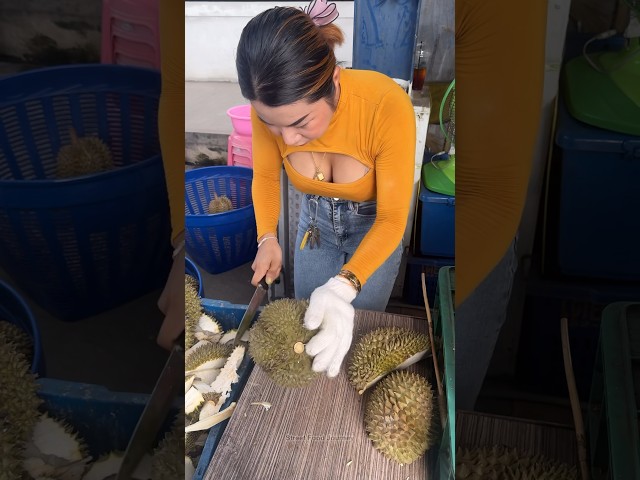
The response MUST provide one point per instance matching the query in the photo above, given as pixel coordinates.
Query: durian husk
(383, 350)
(502, 463)
(167, 461)
(18, 338)
(399, 416)
(208, 356)
(191, 280)
(272, 340)
(18, 408)
(220, 204)
(192, 313)
(84, 156)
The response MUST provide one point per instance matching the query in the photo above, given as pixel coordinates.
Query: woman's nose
(290, 136)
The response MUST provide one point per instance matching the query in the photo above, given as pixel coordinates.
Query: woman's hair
(284, 57)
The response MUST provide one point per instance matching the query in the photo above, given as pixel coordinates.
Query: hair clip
(321, 12)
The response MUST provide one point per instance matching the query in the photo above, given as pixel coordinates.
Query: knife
(250, 313)
(155, 413)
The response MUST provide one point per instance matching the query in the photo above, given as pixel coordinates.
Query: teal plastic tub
(444, 326)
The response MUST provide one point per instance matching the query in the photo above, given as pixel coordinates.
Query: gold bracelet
(349, 275)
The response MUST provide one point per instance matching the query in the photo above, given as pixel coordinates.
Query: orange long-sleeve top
(500, 63)
(374, 123)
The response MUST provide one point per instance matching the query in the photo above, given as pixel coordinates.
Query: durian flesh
(399, 416)
(383, 350)
(501, 463)
(273, 339)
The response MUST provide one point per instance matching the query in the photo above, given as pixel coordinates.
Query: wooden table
(311, 433)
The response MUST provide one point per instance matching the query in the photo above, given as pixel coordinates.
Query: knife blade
(250, 313)
(155, 412)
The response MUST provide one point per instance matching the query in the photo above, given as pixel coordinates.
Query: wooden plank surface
(556, 442)
(311, 433)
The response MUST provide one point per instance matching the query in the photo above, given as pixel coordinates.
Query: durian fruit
(502, 463)
(191, 280)
(398, 416)
(166, 463)
(220, 204)
(277, 340)
(192, 313)
(21, 341)
(84, 156)
(383, 350)
(204, 360)
(18, 409)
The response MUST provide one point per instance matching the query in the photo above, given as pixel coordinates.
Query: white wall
(212, 32)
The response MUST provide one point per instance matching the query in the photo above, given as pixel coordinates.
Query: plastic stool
(131, 33)
(239, 150)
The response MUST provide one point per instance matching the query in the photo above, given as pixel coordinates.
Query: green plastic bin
(615, 395)
(444, 316)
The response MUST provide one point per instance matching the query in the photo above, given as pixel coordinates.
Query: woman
(347, 141)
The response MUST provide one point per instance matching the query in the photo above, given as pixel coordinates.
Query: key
(314, 237)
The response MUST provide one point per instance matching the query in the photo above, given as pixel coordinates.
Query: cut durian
(206, 361)
(208, 324)
(398, 416)
(53, 437)
(18, 338)
(502, 463)
(208, 337)
(381, 351)
(229, 372)
(230, 336)
(211, 420)
(84, 156)
(166, 463)
(272, 340)
(192, 400)
(188, 382)
(220, 204)
(109, 465)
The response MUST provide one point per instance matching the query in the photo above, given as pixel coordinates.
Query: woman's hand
(268, 260)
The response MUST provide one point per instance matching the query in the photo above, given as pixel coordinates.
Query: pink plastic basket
(239, 151)
(240, 116)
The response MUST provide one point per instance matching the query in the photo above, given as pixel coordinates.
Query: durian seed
(298, 347)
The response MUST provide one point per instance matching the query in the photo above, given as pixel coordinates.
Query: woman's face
(297, 123)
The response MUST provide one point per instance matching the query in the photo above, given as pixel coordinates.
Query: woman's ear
(336, 77)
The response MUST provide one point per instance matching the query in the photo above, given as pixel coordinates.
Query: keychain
(312, 234)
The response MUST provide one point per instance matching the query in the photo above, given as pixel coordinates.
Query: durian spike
(574, 399)
(441, 397)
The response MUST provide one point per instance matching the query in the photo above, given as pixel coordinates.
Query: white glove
(330, 310)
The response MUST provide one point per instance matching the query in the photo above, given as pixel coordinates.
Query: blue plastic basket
(84, 245)
(191, 268)
(14, 309)
(221, 241)
(229, 316)
(104, 419)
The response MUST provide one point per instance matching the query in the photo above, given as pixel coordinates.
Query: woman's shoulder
(371, 85)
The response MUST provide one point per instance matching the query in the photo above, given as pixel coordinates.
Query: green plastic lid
(440, 175)
(605, 100)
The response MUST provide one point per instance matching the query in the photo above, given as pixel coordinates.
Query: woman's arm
(395, 133)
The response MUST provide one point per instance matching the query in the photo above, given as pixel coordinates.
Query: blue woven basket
(221, 241)
(191, 268)
(84, 245)
(15, 310)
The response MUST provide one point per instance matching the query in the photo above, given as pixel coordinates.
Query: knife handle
(263, 283)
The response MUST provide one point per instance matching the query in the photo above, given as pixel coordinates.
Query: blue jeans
(343, 224)
(478, 322)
